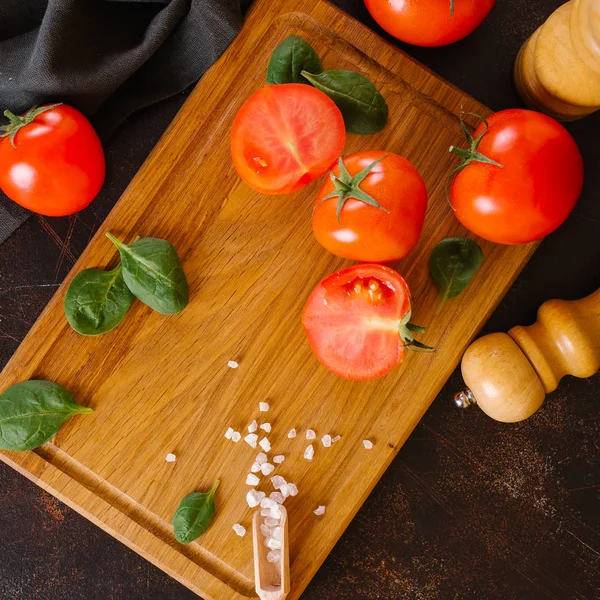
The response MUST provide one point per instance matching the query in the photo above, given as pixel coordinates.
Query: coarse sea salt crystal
(236, 437)
(261, 458)
(266, 427)
(278, 459)
(265, 530)
(265, 512)
(277, 481)
(251, 440)
(292, 433)
(319, 510)
(229, 433)
(310, 434)
(368, 444)
(277, 496)
(232, 364)
(285, 490)
(239, 529)
(253, 426)
(326, 441)
(252, 479)
(171, 457)
(265, 444)
(267, 503)
(253, 498)
(293, 489)
(255, 468)
(273, 544)
(309, 452)
(274, 556)
(337, 438)
(263, 406)
(275, 512)
(271, 522)
(276, 533)
(267, 468)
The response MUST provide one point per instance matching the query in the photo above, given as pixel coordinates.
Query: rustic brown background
(470, 508)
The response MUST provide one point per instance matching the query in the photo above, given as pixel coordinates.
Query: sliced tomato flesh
(353, 320)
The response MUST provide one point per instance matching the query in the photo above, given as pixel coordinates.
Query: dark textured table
(470, 508)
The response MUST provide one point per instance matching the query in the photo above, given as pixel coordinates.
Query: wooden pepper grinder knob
(557, 70)
(509, 374)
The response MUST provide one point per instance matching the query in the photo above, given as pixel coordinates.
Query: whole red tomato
(372, 208)
(532, 188)
(51, 160)
(357, 321)
(285, 136)
(429, 22)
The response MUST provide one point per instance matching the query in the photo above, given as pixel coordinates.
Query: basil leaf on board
(194, 515)
(289, 59)
(32, 412)
(153, 273)
(97, 301)
(452, 265)
(364, 109)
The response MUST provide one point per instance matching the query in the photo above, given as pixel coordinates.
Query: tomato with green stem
(371, 208)
(429, 22)
(519, 179)
(358, 321)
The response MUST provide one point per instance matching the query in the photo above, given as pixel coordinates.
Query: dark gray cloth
(108, 58)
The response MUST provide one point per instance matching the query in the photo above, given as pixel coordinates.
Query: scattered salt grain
(263, 406)
(310, 434)
(265, 444)
(253, 498)
(251, 440)
(253, 426)
(232, 364)
(292, 434)
(239, 529)
(368, 444)
(229, 433)
(267, 468)
(326, 441)
(337, 438)
(293, 489)
(271, 522)
(236, 436)
(309, 452)
(277, 481)
(171, 457)
(319, 511)
(255, 468)
(261, 459)
(266, 427)
(274, 556)
(285, 490)
(277, 496)
(273, 544)
(278, 459)
(252, 479)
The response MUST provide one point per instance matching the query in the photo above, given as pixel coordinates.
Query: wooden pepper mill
(509, 374)
(557, 70)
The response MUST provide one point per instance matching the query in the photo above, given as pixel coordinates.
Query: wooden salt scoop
(272, 580)
(510, 374)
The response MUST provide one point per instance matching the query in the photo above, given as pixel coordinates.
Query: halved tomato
(357, 321)
(285, 136)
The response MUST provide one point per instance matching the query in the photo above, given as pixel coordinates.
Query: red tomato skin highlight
(349, 334)
(57, 167)
(286, 136)
(367, 233)
(428, 22)
(536, 190)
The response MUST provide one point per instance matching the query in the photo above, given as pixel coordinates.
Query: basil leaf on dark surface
(194, 515)
(97, 301)
(289, 59)
(364, 109)
(452, 264)
(32, 412)
(153, 273)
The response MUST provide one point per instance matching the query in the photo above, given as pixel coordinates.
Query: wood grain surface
(161, 384)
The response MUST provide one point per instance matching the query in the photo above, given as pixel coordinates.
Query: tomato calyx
(406, 329)
(472, 154)
(452, 9)
(347, 186)
(16, 122)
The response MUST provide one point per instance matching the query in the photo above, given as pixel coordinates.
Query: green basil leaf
(364, 109)
(97, 301)
(153, 273)
(452, 265)
(32, 412)
(289, 59)
(194, 515)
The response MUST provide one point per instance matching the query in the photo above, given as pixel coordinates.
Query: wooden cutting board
(161, 384)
